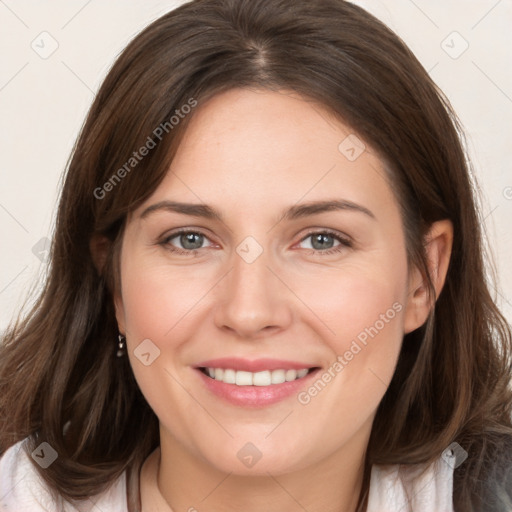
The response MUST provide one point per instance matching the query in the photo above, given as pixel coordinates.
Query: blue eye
(192, 241)
(320, 239)
(188, 240)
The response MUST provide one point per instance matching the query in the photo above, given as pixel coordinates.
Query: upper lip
(257, 365)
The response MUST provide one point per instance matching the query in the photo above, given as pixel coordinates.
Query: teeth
(264, 378)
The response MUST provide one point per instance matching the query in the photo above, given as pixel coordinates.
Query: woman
(197, 346)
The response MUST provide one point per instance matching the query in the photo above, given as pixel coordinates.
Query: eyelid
(311, 231)
(178, 231)
(335, 234)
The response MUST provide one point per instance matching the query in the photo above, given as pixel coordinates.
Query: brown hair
(452, 378)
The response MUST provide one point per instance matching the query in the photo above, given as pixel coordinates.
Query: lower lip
(255, 396)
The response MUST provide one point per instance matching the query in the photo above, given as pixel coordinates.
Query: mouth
(261, 378)
(254, 390)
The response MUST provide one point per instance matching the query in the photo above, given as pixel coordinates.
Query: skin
(250, 154)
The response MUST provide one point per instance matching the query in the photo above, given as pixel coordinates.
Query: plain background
(465, 46)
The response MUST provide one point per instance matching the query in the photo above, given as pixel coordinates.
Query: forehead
(255, 148)
(255, 121)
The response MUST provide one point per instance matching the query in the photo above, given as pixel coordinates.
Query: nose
(253, 300)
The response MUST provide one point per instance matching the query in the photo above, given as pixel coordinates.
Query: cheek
(366, 310)
(157, 299)
(364, 316)
(159, 303)
(354, 301)
(359, 312)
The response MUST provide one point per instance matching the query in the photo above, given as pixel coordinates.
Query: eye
(190, 241)
(322, 242)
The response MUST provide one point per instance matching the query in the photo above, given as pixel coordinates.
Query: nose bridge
(250, 268)
(253, 298)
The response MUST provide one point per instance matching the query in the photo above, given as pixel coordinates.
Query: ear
(438, 247)
(99, 246)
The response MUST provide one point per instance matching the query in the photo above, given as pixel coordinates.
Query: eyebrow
(292, 213)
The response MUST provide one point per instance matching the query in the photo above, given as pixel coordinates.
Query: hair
(60, 380)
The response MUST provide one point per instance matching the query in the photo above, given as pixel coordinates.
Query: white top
(22, 490)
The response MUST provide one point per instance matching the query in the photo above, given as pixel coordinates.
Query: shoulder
(22, 489)
(497, 480)
(412, 487)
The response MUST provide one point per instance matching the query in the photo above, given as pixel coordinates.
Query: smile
(254, 390)
(263, 378)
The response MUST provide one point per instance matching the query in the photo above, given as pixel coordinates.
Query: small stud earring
(120, 351)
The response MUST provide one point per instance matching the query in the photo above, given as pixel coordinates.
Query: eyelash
(344, 242)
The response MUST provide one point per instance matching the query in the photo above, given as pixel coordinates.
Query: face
(317, 288)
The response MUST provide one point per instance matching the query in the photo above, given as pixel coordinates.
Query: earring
(120, 351)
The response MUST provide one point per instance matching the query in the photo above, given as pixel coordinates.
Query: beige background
(44, 97)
